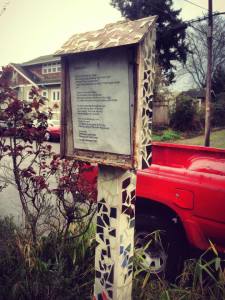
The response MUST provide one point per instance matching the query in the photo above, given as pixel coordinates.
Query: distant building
(44, 73)
(198, 96)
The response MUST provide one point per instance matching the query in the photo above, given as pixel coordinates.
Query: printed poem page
(100, 102)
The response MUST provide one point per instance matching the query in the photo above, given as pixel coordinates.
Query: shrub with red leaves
(54, 192)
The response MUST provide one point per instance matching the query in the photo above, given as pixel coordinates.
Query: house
(197, 95)
(43, 73)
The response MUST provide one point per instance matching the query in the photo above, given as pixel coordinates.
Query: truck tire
(163, 245)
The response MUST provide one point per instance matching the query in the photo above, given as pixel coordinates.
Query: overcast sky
(31, 28)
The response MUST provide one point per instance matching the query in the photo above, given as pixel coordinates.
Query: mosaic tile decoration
(116, 214)
(148, 76)
(115, 231)
(112, 35)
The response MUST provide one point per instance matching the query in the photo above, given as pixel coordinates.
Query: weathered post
(106, 115)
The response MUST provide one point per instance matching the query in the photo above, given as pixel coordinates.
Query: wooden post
(209, 76)
(66, 137)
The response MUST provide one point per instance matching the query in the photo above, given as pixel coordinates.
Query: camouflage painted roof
(112, 35)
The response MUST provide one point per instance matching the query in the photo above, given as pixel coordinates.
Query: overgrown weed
(201, 279)
(49, 270)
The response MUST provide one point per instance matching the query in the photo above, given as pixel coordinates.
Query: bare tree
(196, 64)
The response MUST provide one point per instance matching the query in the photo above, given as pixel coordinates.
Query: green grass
(166, 135)
(217, 139)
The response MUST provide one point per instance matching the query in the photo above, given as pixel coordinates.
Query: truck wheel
(162, 246)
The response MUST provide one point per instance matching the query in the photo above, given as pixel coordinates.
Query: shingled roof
(35, 78)
(41, 60)
(112, 35)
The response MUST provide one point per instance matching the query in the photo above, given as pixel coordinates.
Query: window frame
(56, 95)
(51, 68)
(44, 93)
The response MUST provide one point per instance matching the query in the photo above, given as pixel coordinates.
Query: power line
(214, 39)
(204, 18)
(188, 23)
(196, 4)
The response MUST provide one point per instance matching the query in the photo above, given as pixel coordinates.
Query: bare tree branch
(196, 64)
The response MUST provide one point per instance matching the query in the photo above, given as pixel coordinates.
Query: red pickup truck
(180, 204)
(182, 194)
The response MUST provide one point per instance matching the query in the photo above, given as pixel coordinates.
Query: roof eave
(49, 83)
(23, 75)
(63, 53)
(98, 49)
(40, 62)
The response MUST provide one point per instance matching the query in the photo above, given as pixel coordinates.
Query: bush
(186, 117)
(166, 135)
(53, 270)
(53, 192)
(51, 257)
(218, 112)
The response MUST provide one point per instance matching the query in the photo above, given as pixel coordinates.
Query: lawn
(217, 139)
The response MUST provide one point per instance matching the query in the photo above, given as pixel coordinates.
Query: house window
(44, 69)
(56, 95)
(14, 76)
(44, 94)
(51, 68)
(28, 96)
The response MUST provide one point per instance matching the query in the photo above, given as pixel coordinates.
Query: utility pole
(209, 76)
